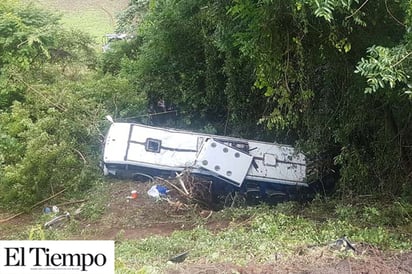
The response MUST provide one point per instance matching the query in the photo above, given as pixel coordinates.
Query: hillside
(246, 240)
(278, 71)
(96, 17)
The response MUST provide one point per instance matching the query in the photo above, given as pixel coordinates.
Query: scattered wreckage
(109, 38)
(232, 164)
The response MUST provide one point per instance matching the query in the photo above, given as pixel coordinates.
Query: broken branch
(33, 206)
(182, 183)
(175, 187)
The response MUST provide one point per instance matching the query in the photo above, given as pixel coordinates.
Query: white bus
(134, 149)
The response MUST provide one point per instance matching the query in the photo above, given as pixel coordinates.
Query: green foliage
(113, 60)
(171, 62)
(55, 149)
(396, 213)
(328, 9)
(94, 208)
(115, 96)
(325, 9)
(270, 35)
(52, 140)
(52, 106)
(129, 19)
(269, 70)
(25, 35)
(284, 70)
(37, 233)
(184, 60)
(382, 68)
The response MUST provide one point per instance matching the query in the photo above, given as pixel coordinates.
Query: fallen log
(33, 206)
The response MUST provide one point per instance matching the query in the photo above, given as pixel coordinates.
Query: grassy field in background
(93, 22)
(96, 17)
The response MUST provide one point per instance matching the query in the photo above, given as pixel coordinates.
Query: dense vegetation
(52, 102)
(330, 76)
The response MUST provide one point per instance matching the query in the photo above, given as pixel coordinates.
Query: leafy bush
(52, 107)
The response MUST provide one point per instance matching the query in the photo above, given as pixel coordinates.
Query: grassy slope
(96, 17)
(290, 235)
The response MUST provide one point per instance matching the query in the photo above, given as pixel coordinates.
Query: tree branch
(81, 155)
(402, 59)
(356, 11)
(33, 206)
(390, 13)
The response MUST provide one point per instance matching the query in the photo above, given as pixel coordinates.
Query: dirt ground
(142, 217)
(146, 216)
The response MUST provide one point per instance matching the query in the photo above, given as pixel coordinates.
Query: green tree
(305, 54)
(184, 56)
(52, 106)
(25, 35)
(290, 65)
(132, 16)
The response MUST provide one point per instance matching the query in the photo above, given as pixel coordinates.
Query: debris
(205, 214)
(78, 210)
(58, 220)
(342, 244)
(133, 195)
(109, 38)
(162, 189)
(196, 190)
(173, 185)
(55, 209)
(33, 206)
(179, 258)
(46, 210)
(153, 192)
(157, 191)
(142, 177)
(177, 206)
(178, 176)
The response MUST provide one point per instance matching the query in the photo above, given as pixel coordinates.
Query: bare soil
(126, 218)
(145, 216)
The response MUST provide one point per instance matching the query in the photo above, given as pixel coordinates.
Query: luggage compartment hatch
(226, 162)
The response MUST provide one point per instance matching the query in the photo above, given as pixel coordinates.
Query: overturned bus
(132, 150)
